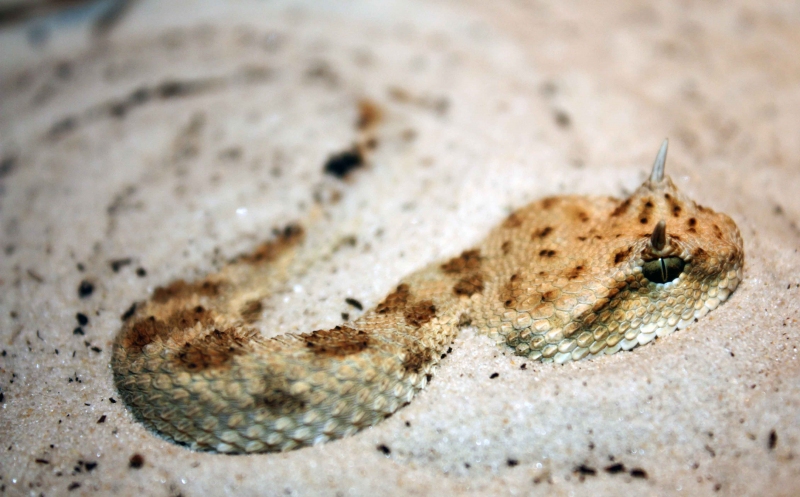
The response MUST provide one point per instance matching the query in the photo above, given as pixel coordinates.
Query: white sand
(506, 103)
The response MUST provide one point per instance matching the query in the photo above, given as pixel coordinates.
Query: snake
(565, 278)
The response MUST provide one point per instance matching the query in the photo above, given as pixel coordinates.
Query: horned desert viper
(562, 279)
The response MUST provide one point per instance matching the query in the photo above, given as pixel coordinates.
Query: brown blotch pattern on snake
(338, 342)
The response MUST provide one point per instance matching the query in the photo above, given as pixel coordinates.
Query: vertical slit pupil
(663, 269)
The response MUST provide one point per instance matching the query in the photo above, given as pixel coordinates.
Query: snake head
(675, 261)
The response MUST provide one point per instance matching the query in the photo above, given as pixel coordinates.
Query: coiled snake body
(562, 279)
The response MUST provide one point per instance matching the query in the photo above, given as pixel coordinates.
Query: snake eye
(663, 270)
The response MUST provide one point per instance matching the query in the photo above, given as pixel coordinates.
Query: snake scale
(562, 279)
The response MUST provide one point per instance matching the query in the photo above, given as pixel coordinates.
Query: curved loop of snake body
(561, 279)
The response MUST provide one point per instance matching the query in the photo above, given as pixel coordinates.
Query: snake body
(564, 278)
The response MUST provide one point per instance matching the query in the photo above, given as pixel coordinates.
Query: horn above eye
(663, 269)
(659, 237)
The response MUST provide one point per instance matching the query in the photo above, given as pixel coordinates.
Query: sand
(162, 145)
